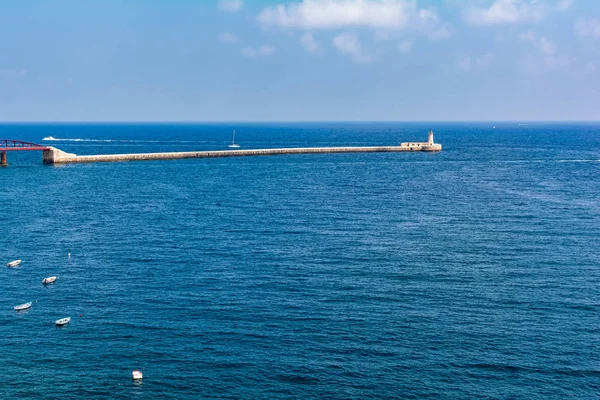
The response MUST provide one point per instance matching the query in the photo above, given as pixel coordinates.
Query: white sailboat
(233, 144)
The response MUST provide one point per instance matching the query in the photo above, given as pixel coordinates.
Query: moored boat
(48, 280)
(137, 375)
(14, 263)
(63, 321)
(233, 144)
(22, 307)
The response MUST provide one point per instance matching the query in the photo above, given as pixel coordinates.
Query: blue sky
(300, 60)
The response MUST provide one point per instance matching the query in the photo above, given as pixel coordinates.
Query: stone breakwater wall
(56, 156)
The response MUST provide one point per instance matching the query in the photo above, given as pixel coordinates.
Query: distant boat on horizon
(233, 144)
(137, 375)
(49, 138)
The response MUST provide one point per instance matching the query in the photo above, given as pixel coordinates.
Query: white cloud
(467, 63)
(543, 44)
(514, 11)
(430, 23)
(231, 5)
(343, 14)
(547, 49)
(405, 46)
(228, 38)
(348, 44)
(546, 46)
(261, 51)
(309, 43)
(564, 5)
(588, 27)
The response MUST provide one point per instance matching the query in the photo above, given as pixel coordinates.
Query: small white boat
(15, 263)
(48, 280)
(233, 144)
(63, 321)
(137, 375)
(23, 306)
(49, 138)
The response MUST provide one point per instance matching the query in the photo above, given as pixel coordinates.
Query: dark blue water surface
(471, 273)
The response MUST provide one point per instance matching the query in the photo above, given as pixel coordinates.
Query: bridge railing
(19, 145)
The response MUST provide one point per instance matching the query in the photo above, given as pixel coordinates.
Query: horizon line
(301, 122)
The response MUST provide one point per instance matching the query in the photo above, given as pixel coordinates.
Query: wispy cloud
(588, 27)
(405, 46)
(467, 63)
(543, 44)
(564, 5)
(261, 51)
(349, 45)
(309, 43)
(547, 49)
(228, 38)
(231, 5)
(514, 11)
(464, 63)
(344, 14)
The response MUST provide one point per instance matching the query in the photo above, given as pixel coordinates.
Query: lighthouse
(430, 138)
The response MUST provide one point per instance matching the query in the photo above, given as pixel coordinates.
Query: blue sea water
(471, 273)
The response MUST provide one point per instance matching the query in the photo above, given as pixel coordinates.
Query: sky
(299, 60)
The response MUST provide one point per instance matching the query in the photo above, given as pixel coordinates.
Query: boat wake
(51, 138)
(578, 161)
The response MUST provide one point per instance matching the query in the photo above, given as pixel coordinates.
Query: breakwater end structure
(52, 155)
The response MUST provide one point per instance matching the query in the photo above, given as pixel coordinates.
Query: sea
(473, 273)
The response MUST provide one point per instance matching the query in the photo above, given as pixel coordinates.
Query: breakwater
(56, 156)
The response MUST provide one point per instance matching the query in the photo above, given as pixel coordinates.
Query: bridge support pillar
(3, 162)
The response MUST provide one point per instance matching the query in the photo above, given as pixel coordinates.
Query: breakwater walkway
(56, 156)
(53, 155)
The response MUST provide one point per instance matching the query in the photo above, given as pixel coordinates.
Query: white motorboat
(15, 263)
(137, 375)
(48, 280)
(233, 144)
(63, 321)
(49, 138)
(23, 306)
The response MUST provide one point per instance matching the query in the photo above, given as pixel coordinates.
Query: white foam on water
(594, 161)
(51, 138)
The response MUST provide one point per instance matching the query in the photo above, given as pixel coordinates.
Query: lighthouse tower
(430, 138)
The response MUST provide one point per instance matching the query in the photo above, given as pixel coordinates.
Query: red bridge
(17, 145)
